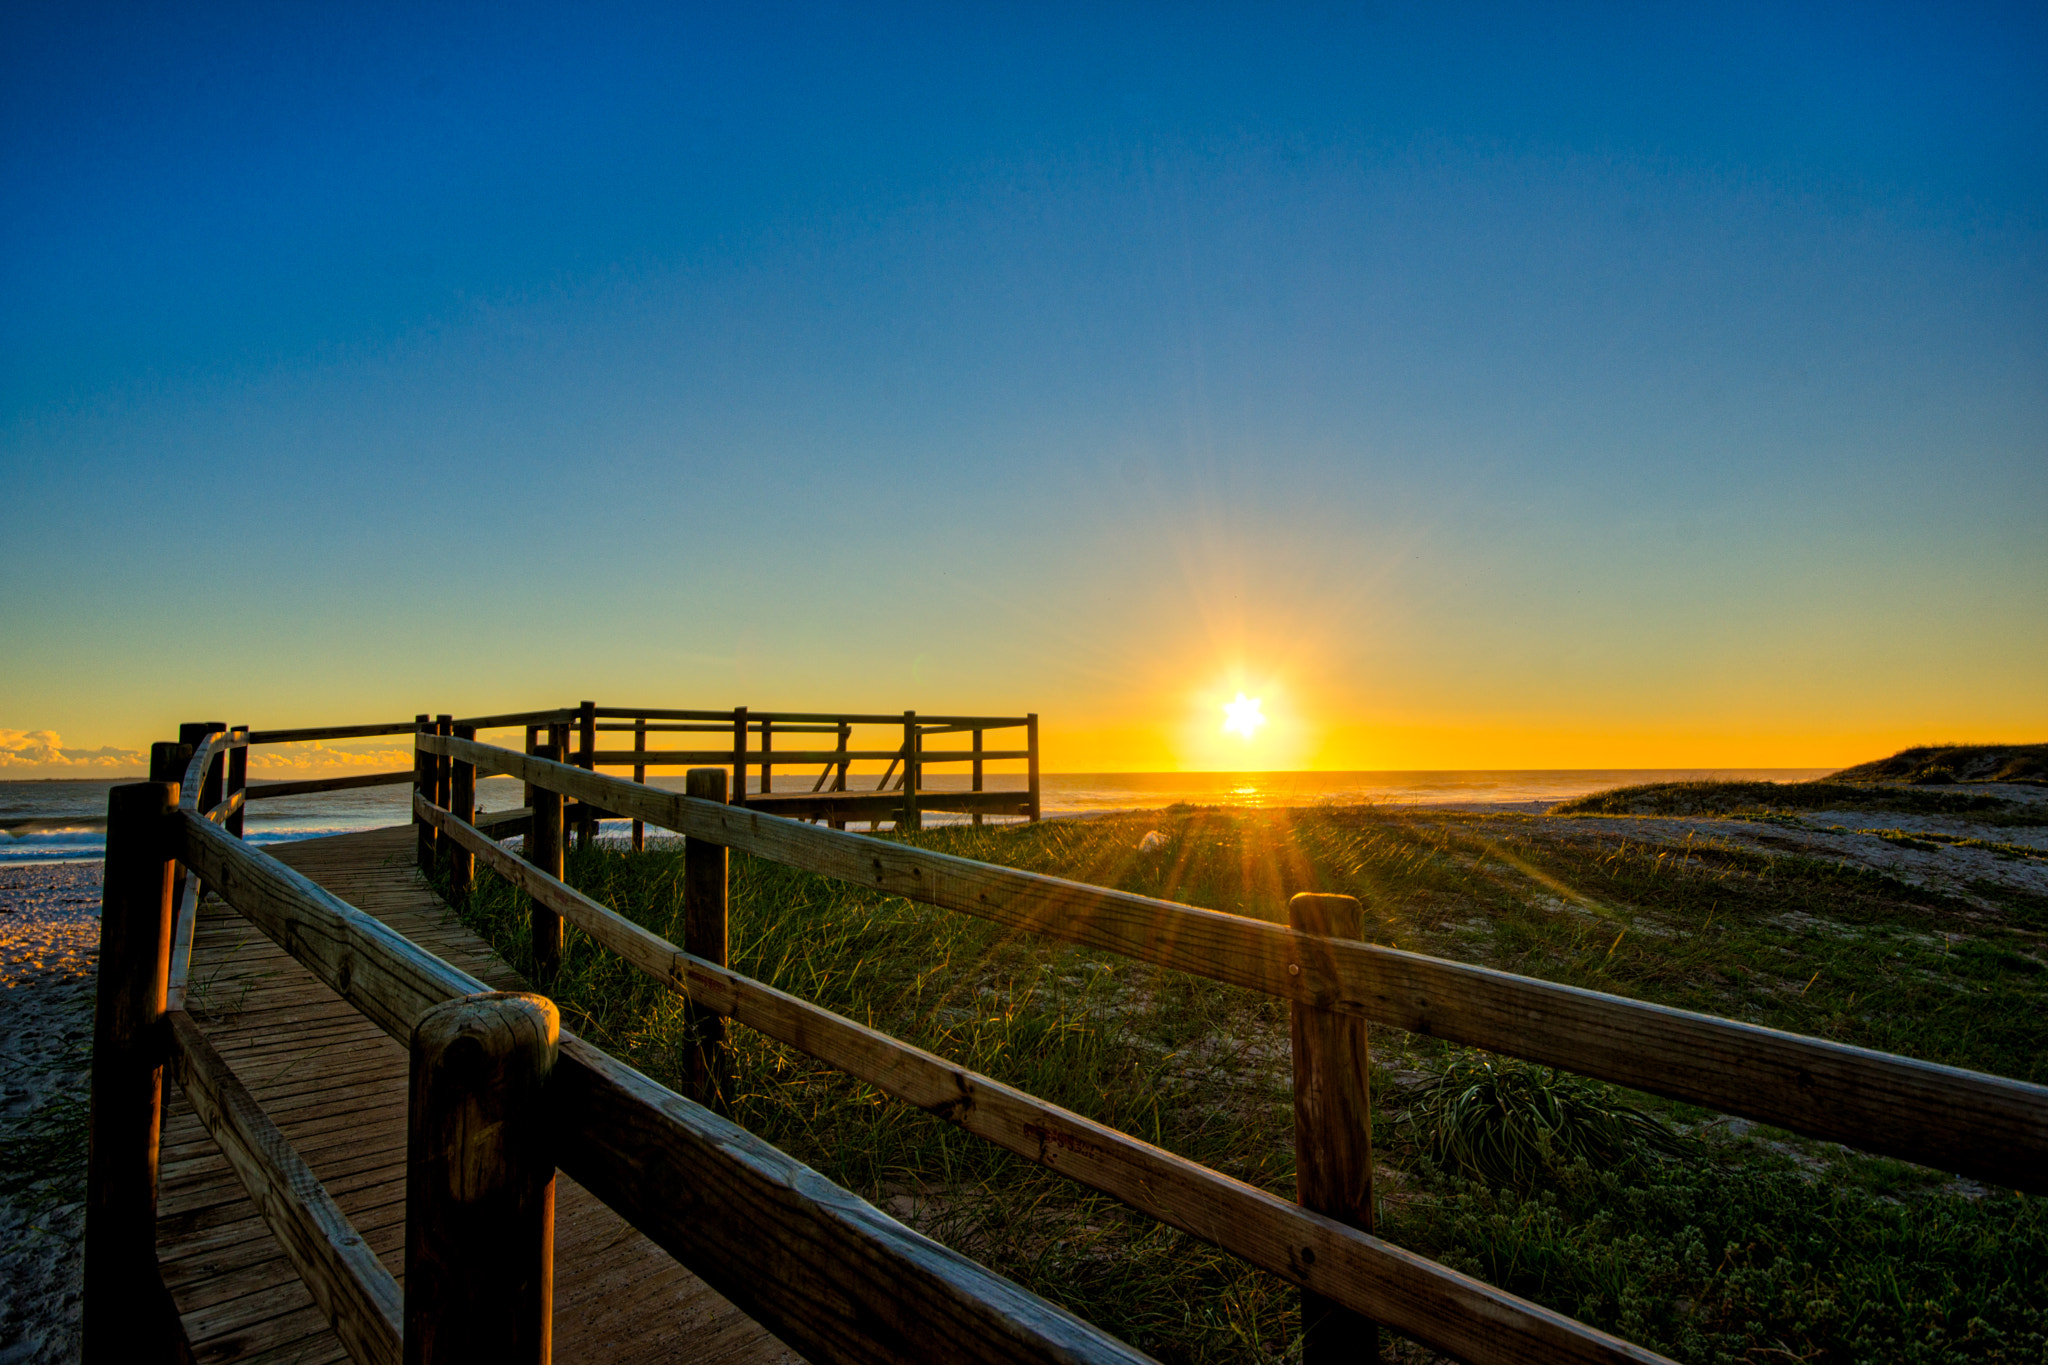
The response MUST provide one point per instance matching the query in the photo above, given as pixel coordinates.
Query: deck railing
(821, 1269)
(500, 1097)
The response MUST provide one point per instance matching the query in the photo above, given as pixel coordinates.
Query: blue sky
(1489, 386)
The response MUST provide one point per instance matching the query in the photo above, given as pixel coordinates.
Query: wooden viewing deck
(336, 1085)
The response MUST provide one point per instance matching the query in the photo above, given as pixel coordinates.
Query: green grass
(1941, 763)
(1742, 798)
(1749, 1247)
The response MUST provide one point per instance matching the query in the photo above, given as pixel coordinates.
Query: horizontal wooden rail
(1437, 1306)
(358, 1295)
(707, 729)
(226, 806)
(1989, 1127)
(670, 758)
(925, 756)
(198, 768)
(929, 723)
(503, 824)
(311, 786)
(510, 719)
(330, 732)
(822, 1269)
(676, 758)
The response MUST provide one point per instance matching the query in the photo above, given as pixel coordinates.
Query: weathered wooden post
(167, 763)
(1031, 759)
(196, 733)
(911, 818)
(480, 1183)
(977, 770)
(639, 775)
(586, 750)
(128, 1314)
(704, 935)
(462, 801)
(544, 851)
(739, 756)
(839, 778)
(238, 780)
(532, 748)
(423, 783)
(444, 788)
(1332, 1127)
(767, 755)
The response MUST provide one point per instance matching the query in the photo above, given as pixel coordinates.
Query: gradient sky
(1480, 387)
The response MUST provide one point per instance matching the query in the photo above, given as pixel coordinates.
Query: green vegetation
(1937, 763)
(1498, 1120)
(1723, 1244)
(1868, 786)
(1736, 798)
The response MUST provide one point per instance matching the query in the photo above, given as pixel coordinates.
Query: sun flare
(1242, 717)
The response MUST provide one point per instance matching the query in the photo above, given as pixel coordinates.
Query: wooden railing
(821, 1269)
(1975, 1124)
(751, 758)
(748, 753)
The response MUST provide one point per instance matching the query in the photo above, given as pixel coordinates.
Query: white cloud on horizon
(46, 749)
(43, 753)
(313, 756)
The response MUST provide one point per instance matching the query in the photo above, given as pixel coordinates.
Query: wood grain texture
(127, 1314)
(480, 1182)
(706, 930)
(238, 780)
(1990, 1127)
(335, 1084)
(1332, 1130)
(186, 890)
(1355, 1270)
(357, 1294)
(544, 850)
(381, 973)
(423, 757)
(815, 1264)
(462, 800)
(223, 811)
(1325, 1255)
(825, 1270)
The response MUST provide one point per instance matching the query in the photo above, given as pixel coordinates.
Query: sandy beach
(49, 938)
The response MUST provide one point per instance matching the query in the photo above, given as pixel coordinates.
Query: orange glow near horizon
(1196, 743)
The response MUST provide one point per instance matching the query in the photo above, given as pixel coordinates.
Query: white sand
(49, 941)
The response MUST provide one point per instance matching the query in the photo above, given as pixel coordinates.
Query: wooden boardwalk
(336, 1085)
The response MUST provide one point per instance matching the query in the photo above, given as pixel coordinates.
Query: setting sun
(1242, 717)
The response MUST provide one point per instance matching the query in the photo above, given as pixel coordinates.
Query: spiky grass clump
(1508, 1123)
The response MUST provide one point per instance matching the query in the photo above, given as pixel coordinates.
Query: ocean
(65, 821)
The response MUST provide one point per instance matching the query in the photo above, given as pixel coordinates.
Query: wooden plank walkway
(336, 1085)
